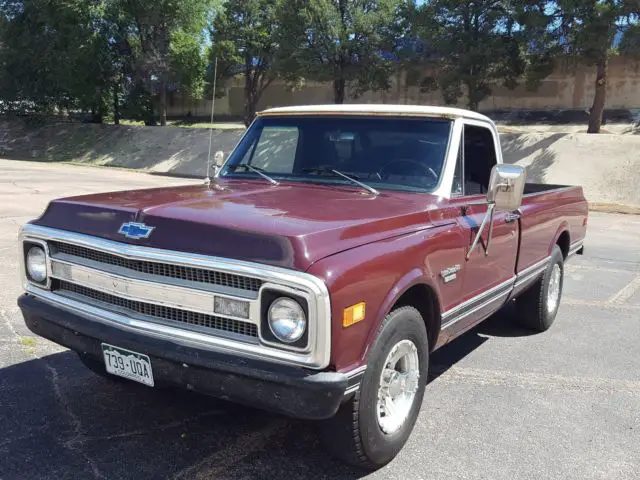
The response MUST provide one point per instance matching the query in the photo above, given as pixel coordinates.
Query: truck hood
(290, 225)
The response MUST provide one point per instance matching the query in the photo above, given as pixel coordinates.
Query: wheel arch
(562, 238)
(417, 290)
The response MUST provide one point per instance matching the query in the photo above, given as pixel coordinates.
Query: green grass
(28, 345)
(183, 124)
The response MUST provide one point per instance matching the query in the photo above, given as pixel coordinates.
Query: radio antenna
(207, 180)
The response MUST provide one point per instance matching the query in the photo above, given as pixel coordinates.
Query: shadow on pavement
(61, 421)
(501, 324)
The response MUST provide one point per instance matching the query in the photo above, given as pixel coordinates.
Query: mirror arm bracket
(487, 218)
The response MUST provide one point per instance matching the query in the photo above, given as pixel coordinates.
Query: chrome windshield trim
(319, 348)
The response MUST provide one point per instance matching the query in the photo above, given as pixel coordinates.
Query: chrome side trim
(573, 249)
(354, 377)
(352, 389)
(492, 294)
(314, 289)
(356, 371)
(501, 297)
(532, 272)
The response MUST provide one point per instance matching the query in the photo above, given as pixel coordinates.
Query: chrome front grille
(177, 296)
(166, 270)
(158, 311)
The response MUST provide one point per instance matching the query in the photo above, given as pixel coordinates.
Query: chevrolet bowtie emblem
(135, 230)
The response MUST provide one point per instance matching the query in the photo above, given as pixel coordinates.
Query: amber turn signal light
(353, 314)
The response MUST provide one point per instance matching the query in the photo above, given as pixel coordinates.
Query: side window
(275, 151)
(479, 158)
(457, 189)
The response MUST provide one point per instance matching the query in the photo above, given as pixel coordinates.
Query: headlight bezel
(267, 337)
(27, 245)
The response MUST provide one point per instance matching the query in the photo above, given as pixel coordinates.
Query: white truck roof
(377, 109)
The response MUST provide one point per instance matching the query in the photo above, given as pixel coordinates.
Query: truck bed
(548, 210)
(531, 188)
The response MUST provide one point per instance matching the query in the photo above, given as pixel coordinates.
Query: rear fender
(564, 227)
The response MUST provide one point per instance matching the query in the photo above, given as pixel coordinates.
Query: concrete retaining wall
(607, 166)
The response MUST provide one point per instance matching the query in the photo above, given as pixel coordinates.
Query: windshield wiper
(257, 170)
(343, 175)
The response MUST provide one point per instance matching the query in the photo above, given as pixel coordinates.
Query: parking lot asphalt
(502, 403)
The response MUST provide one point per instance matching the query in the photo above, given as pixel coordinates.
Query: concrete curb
(614, 208)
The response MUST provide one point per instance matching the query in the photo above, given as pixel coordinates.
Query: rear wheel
(371, 428)
(537, 307)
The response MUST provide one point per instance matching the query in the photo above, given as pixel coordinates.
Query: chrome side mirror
(506, 187)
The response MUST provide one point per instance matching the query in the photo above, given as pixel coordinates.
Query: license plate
(125, 363)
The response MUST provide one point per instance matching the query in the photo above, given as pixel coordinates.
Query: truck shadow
(59, 420)
(501, 324)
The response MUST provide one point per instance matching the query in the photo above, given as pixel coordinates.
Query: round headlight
(37, 264)
(287, 320)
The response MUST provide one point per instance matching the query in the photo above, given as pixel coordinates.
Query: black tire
(354, 434)
(532, 306)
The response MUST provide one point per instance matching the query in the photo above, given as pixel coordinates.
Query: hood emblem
(134, 230)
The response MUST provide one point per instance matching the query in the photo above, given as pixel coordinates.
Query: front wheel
(371, 428)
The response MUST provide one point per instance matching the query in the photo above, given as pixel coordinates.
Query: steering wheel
(427, 169)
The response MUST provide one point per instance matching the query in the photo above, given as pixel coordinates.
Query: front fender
(412, 278)
(378, 274)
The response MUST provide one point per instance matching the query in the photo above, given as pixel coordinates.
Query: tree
(338, 41)
(587, 29)
(36, 36)
(244, 41)
(166, 38)
(473, 45)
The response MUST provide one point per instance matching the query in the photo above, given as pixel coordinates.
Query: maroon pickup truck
(313, 275)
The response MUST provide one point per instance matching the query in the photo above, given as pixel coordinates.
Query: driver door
(488, 274)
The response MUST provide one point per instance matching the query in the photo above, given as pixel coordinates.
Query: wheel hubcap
(553, 292)
(398, 386)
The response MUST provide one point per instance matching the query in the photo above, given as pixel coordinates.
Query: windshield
(384, 152)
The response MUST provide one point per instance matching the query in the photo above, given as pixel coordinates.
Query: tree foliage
(475, 45)
(587, 29)
(244, 41)
(125, 57)
(52, 56)
(167, 39)
(338, 41)
(101, 55)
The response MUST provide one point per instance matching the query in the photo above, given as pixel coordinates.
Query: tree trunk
(163, 102)
(116, 104)
(339, 85)
(249, 100)
(249, 110)
(595, 116)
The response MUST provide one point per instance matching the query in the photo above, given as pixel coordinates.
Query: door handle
(510, 217)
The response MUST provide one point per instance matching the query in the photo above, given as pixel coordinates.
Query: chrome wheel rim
(398, 386)
(553, 292)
